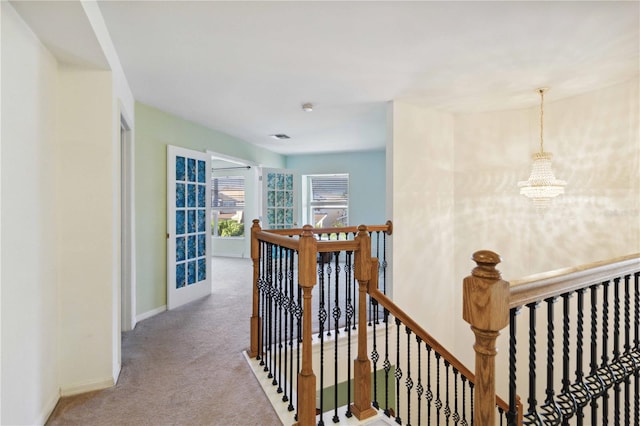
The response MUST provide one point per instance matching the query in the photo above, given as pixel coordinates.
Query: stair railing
(419, 382)
(593, 293)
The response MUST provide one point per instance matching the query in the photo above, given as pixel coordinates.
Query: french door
(188, 227)
(280, 189)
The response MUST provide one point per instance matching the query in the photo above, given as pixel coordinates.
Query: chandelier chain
(541, 119)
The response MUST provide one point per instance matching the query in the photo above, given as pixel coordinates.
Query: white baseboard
(151, 313)
(87, 387)
(48, 408)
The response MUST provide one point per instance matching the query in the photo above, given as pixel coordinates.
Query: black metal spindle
(616, 348)
(269, 365)
(398, 372)
(349, 316)
(438, 402)
(594, 345)
(532, 410)
(513, 411)
(375, 356)
(408, 381)
(299, 313)
(279, 318)
(550, 395)
(429, 393)
(471, 386)
(605, 348)
(456, 414)
(636, 344)
(627, 347)
(447, 407)
(285, 305)
(569, 404)
(261, 303)
(322, 317)
(386, 364)
(464, 400)
(384, 263)
(579, 354)
(291, 317)
(336, 317)
(419, 387)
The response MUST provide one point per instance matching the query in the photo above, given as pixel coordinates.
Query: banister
(270, 237)
(387, 228)
(550, 284)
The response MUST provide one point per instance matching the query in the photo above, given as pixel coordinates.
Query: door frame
(127, 228)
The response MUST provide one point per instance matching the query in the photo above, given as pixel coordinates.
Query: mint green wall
(155, 130)
(366, 180)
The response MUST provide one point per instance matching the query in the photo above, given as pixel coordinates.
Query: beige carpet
(184, 367)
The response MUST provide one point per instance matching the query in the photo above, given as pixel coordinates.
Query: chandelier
(542, 184)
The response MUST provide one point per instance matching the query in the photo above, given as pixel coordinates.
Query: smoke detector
(307, 107)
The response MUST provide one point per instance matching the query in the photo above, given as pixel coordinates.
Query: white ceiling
(245, 68)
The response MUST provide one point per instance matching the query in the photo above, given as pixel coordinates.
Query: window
(227, 206)
(327, 200)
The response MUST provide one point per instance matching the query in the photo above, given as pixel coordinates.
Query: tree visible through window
(327, 200)
(227, 206)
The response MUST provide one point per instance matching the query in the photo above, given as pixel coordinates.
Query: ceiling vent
(280, 136)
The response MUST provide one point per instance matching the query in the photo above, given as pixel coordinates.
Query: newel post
(361, 406)
(486, 308)
(307, 254)
(255, 318)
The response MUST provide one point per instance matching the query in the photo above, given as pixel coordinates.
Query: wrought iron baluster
(291, 316)
(384, 263)
(429, 393)
(627, 348)
(419, 388)
(336, 317)
(285, 305)
(261, 305)
(408, 381)
(375, 356)
(269, 364)
(348, 316)
(550, 399)
(513, 413)
(438, 402)
(594, 347)
(299, 313)
(471, 386)
(636, 344)
(279, 319)
(398, 372)
(616, 348)
(568, 404)
(605, 348)
(580, 385)
(447, 407)
(532, 410)
(386, 364)
(322, 317)
(464, 400)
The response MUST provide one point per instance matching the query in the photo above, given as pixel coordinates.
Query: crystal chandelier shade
(542, 184)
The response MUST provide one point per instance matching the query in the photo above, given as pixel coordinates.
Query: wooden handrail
(550, 284)
(387, 228)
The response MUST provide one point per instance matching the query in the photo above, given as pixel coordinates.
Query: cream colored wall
(423, 226)
(29, 375)
(595, 139)
(85, 192)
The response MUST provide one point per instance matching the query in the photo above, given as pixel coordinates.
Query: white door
(280, 189)
(188, 227)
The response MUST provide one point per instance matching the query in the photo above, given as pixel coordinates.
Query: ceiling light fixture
(280, 136)
(307, 107)
(542, 185)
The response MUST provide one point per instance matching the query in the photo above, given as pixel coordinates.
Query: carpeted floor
(184, 367)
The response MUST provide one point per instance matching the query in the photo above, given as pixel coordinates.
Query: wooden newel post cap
(485, 294)
(256, 223)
